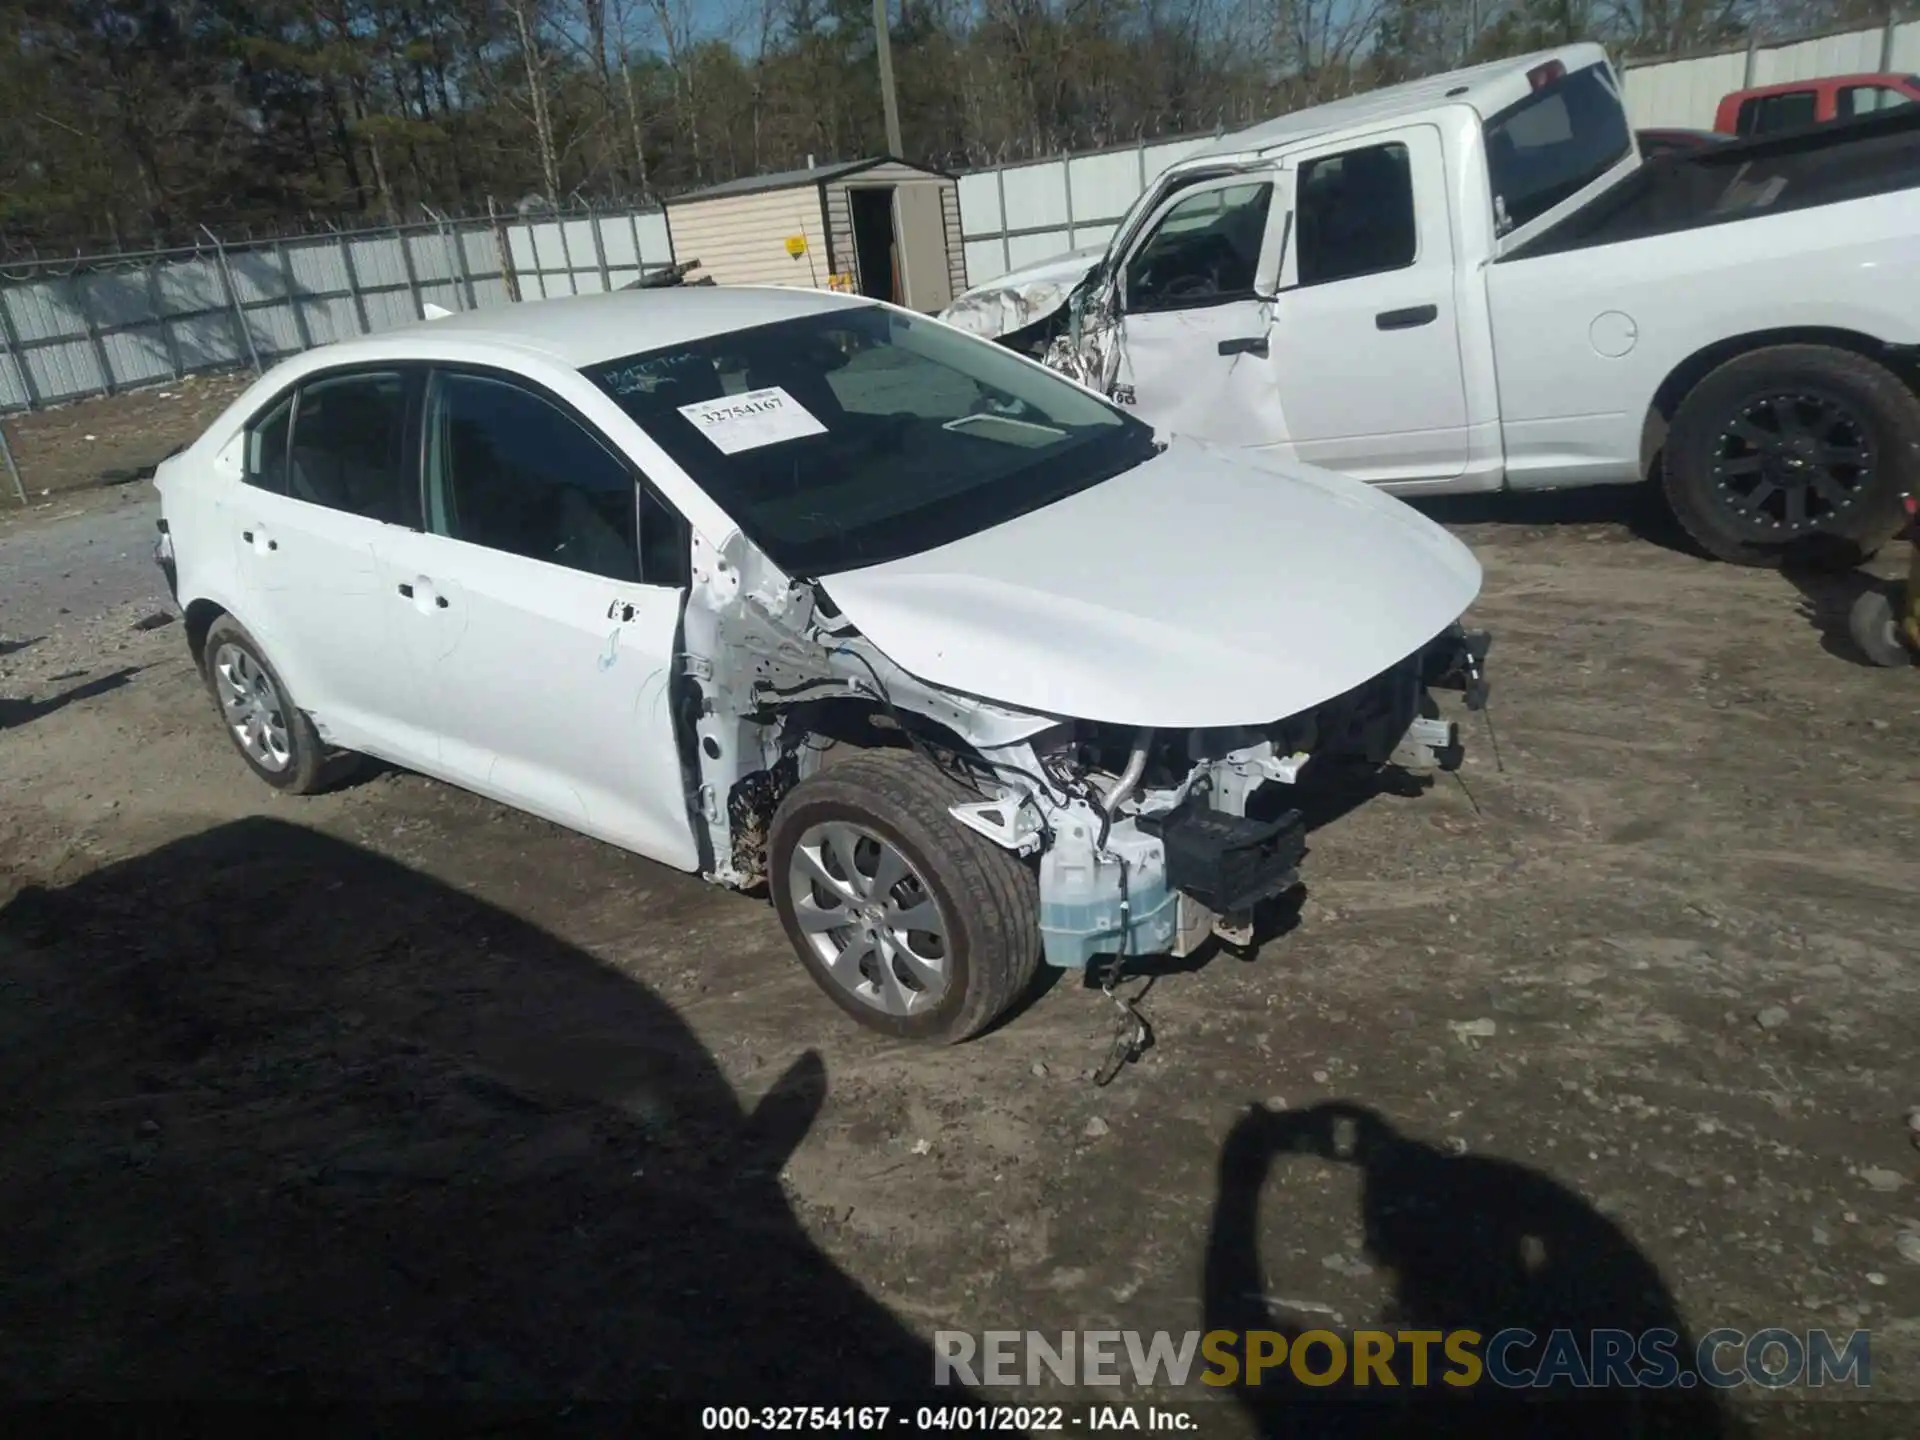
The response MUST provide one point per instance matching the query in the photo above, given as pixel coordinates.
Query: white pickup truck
(1473, 282)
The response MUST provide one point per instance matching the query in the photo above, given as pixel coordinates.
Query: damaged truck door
(1195, 312)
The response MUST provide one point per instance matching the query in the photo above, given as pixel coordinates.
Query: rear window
(1554, 144)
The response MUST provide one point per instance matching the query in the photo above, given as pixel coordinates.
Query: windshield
(1553, 144)
(860, 435)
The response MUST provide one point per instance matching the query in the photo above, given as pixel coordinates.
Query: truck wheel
(914, 925)
(272, 734)
(1794, 455)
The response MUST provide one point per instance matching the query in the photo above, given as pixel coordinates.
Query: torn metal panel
(1021, 297)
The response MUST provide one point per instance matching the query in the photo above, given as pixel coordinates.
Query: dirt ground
(78, 456)
(396, 1093)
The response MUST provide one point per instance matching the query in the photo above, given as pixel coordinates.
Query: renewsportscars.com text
(1513, 1359)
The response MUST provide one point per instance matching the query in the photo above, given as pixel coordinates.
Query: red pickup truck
(1799, 103)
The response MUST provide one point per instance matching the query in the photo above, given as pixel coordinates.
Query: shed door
(920, 229)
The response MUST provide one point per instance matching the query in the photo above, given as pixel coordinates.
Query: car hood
(1020, 297)
(1203, 588)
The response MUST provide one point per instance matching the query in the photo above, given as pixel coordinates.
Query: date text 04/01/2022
(942, 1419)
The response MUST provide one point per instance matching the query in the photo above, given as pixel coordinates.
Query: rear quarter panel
(1584, 339)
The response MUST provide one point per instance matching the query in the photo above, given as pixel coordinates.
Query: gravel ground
(395, 1092)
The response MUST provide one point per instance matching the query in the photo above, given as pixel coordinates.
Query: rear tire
(1793, 455)
(262, 719)
(971, 941)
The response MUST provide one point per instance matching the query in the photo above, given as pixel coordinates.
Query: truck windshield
(859, 435)
(1554, 144)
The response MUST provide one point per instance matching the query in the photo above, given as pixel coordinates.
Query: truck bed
(1851, 160)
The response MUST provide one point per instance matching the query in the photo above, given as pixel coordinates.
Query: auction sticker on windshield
(747, 422)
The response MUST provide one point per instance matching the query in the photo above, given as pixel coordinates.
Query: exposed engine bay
(1145, 841)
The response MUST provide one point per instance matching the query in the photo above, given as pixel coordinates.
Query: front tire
(1793, 455)
(271, 732)
(912, 924)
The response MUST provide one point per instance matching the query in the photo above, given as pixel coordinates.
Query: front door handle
(1246, 345)
(406, 590)
(247, 535)
(1407, 319)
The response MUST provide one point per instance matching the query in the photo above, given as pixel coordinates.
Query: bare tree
(526, 26)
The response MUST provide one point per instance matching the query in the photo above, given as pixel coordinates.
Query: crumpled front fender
(1021, 297)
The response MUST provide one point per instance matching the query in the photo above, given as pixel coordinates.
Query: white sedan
(969, 667)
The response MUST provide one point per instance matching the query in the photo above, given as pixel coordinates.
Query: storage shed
(882, 227)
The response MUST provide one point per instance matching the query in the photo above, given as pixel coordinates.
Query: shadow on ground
(1473, 1242)
(1641, 510)
(15, 713)
(1826, 603)
(288, 1121)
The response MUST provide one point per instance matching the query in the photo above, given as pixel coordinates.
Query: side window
(510, 470)
(1355, 215)
(1205, 250)
(1869, 99)
(1767, 113)
(267, 449)
(349, 448)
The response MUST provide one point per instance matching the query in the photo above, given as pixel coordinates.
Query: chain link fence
(96, 325)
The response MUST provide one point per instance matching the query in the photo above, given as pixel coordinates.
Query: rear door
(329, 479)
(545, 601)
(1366, 336)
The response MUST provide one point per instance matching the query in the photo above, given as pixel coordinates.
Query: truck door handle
(1407, 319)
(247, 535)
(406, 590)
(1245, 345)
(441, 601)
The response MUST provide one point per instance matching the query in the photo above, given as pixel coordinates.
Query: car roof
(1487, 89)
(582, 330)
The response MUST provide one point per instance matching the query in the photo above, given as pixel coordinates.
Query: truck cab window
(1765, 114)
(1356, 214)
(1869, 99)
(1552, 145)
(1205, 250)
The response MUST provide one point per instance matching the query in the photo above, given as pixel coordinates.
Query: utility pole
(885, 45)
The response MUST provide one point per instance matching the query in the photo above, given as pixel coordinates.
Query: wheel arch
(1682, 378)
(200, 615)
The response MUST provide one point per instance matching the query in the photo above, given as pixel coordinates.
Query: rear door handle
(247, 535)
(1407, 319)
(1245, 345)
(406, 590)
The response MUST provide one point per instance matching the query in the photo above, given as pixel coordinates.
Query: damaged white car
(968, 666)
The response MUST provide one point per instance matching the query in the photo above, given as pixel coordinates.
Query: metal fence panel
(1810, 59)
(36, 315)
(1906, 49)
(137, 357)
(1104, 186)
